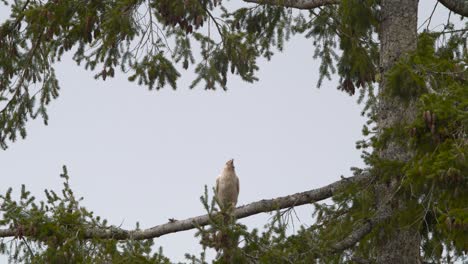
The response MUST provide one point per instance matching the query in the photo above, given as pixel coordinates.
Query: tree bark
(398, 37)
(458, 6)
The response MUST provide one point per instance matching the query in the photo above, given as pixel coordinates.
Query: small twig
(216, 24)
(430, 17)
(27, 245)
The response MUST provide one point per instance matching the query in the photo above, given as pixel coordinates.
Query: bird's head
(230, 164)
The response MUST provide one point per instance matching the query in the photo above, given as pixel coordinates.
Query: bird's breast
(227, 190)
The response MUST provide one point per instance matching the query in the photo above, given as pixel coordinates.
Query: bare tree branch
(360, 260)
(457, 6)
(241, 212)
(360, 232)
(299, 4)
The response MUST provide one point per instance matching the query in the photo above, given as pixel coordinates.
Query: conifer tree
(408, 205)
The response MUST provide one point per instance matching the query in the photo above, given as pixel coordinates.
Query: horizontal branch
(299, 4)
(240, 212)
(457, 6)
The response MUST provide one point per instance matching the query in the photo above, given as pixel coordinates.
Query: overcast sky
(139, 155)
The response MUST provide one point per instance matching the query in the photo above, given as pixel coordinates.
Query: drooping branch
(299, 4)
(457, 6)
(261, 206)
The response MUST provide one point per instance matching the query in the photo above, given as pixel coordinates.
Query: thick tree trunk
(398, 36)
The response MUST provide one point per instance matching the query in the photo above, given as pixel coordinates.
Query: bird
(227, 187)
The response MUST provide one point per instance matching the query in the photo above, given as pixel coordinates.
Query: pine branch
(261, 206)
(299, 4)
(457, 6)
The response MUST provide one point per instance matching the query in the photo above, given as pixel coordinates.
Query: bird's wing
(238, 188)
(217, 187)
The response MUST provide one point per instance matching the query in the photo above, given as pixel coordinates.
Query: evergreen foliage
(53, 231)
(147, 39)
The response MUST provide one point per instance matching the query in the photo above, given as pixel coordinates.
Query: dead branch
(261, 206)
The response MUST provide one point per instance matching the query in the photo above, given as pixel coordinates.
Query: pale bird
(227, 186)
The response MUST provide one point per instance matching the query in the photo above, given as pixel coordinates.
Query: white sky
(139, 155)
